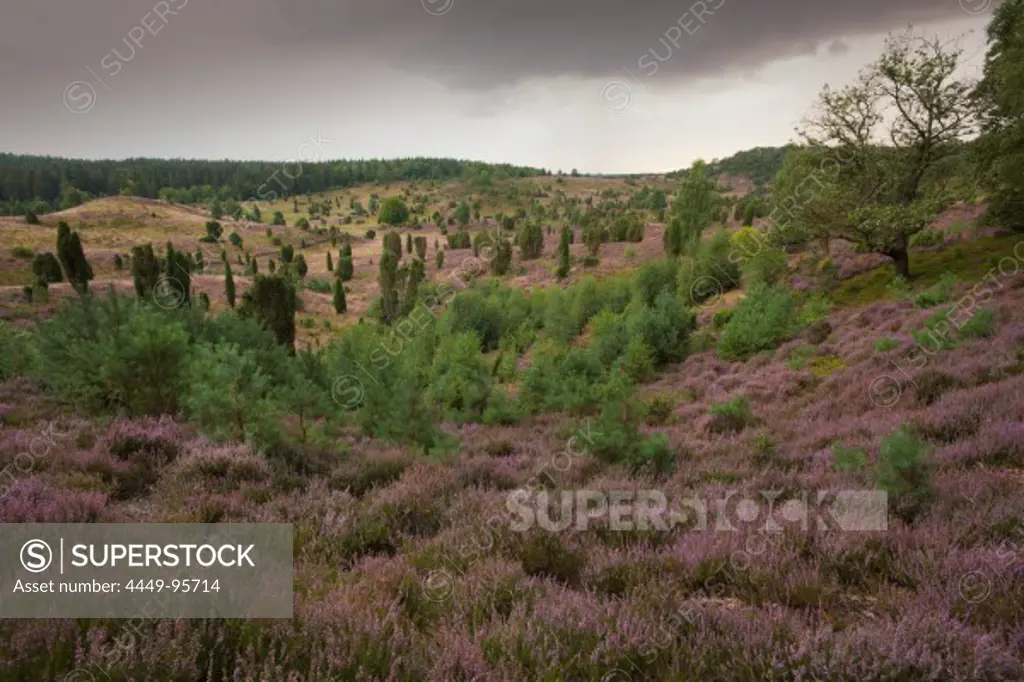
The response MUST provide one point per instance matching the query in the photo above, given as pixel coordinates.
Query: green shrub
(721, 318)
(852, 460)
(980, 326)
(228, 395)
(22, 252)
(654, 457)
(904, 472)
(886, 344)
(937, 294)
(319, 286)
(609, 336)
(460, 382)
(591, 261)
(731, 417)
(937, 333)
(659, 410)
(665, 327)
(764, 319)
(928, 238)
(637, 362)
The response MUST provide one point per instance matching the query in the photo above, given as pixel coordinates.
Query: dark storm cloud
(468, 43)
(481, 43)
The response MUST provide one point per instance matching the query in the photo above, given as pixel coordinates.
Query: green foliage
(345, 267)
(653, 279)
(277, 218)
(846, 185)
(228, 396)
(46, 268)
(904, 472)
(340, 305)
(235, 240)
(16, 351)
(439, 259)
(713, 270)
(393, 242)
(301, 267)
(176, 288)
(460, 240)
(531, 241)
(272, 300)
(664, 327)
(851, 460)
(393, 211)
(732, 416)
(980, 326)
(501, 263)
(21, 252)
(388, 284)
(564, 258)
(142, 363)
(1000, 150)
(72, 258)
(937, 294)
(609, 335)
(213, 232)
(885, 344)
(693, 208)
(460, 382)
(765, 318)
(637, 361)
(759, 260)
(229, 284)
(145, 270)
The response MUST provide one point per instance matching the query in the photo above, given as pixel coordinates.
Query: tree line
(42, 183)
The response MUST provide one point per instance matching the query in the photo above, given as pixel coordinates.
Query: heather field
(757, 419)
(408, 561)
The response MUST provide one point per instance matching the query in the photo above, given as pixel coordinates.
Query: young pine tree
(145, 270)
(330, 263)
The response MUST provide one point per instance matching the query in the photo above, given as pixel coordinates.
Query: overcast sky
(599, 85)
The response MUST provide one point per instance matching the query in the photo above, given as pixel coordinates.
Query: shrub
(637, 362)
(980, 326)
(852, 460)
(928, 238)
(904, 472)
(531, 241)
(235, 240)
(21, 252)
(591, 261)
(886, 344)
(721, 318)
(659, 410)
(393, 211)
(460, 240)
(665, 327)
(654, 457)
(937, 294)
(46, 268)
(460, 382)
(609, 335)
(731, 417)
(227, 395)
(371, 234)
(765, 318)
(272, 300)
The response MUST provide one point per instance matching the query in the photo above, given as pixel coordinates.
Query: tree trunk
(900, 262)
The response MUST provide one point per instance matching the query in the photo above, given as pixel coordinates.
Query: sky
(603, 86)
